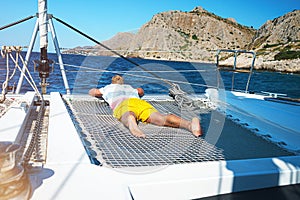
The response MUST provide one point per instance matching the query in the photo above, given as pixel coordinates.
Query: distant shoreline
(283, 66)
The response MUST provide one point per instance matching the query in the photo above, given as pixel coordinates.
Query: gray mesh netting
(110, 143)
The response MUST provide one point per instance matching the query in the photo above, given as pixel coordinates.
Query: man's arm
(95, 92)
(140, 92)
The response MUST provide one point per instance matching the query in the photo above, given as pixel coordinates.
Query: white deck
(279, 121)
(11, 122)
(68, 173)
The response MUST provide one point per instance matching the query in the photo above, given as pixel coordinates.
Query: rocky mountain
(277, 44)
(118, 43)
(196, 35)
(282, 30)
(189, 35)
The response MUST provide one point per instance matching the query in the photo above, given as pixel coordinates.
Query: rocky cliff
(277, 44)
(196, 35)
(282, 30)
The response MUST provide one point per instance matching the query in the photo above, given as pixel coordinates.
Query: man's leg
(129, 120)
(176, 122)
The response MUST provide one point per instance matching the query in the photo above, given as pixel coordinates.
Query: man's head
(117, 79)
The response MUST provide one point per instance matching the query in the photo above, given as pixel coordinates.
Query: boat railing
(234, 69)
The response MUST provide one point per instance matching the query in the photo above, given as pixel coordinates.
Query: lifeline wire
(146, 77)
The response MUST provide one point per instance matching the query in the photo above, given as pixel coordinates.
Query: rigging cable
(181, 98)
(32, 83)
(17, 22)
(30, 79)
(111, 50)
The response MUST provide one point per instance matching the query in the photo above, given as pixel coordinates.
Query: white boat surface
(68, 172)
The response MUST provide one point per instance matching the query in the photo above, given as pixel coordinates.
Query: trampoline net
(110, 143)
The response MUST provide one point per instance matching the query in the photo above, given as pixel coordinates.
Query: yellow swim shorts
(142, 109)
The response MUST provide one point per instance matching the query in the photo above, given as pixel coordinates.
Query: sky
(103, 19)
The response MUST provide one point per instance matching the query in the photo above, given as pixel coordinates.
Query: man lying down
(128, 108)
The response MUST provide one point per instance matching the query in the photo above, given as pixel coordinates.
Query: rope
(7, 52)
(8, 78)
(181, 98)
(4, 85)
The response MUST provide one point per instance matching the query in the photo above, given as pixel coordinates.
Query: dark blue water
(86, 72)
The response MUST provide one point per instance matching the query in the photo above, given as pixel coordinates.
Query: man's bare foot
(195, 127)
(133, 127)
